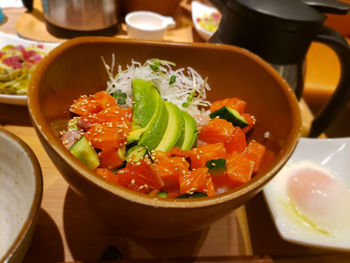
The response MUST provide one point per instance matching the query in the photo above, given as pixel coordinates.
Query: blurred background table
(68, 230)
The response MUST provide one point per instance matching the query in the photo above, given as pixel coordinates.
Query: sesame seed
(143, 186)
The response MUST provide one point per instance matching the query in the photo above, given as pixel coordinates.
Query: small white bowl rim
(36, 204)
(147, 13)
(196, 8)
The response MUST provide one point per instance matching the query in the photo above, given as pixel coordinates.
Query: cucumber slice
(162, 194)
(230, 115)
(135, 153)
(194, 195)
(216, 164)
(83, 151)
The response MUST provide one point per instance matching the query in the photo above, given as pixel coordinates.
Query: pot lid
(291, 15)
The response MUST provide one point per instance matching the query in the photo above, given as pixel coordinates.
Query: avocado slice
(174, 128)
(189, 134)
(149, 114)
(156, 127)
(135, 135)
(146, 96)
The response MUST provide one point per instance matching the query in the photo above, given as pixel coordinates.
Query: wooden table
(68, 230)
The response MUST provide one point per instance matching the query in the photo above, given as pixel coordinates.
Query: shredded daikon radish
(184, 86)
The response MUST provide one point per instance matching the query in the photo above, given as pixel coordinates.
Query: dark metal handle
(329, 6)
(28, 4)
(341, 95)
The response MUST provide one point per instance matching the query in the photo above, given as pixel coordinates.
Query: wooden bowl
(75, 68)
(20, 196)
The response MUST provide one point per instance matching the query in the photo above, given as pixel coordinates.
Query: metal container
(82, 15)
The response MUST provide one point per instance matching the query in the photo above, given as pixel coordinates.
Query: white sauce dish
(147, 25)
(309, 199)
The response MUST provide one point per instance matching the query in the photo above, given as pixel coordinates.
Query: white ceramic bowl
(200, 10)
(147, 25)
(6, 39)
(20, 196)
(332, 156)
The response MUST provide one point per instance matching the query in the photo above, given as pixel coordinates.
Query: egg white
(307, 227)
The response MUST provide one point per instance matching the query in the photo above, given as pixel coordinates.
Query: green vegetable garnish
(156, 63)
(154, 68)
(189, 99)
(119, 96)
(172, 79)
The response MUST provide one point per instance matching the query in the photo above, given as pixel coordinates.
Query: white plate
(332, 155)
(6, 39)
(198, 11)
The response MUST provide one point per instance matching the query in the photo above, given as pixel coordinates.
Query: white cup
(147, 25)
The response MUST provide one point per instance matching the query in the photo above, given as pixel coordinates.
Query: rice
(183, 87)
